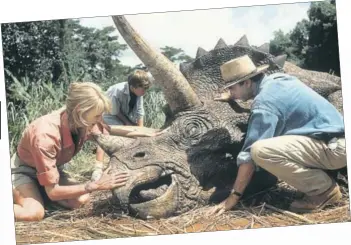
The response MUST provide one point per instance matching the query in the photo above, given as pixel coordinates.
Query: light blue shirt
(120, 97)
(284, 105)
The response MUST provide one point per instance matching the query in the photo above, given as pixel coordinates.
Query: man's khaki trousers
(299, 161)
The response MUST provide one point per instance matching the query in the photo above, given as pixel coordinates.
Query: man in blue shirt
(293, 133)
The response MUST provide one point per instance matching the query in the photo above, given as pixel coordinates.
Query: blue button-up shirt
(283, 105)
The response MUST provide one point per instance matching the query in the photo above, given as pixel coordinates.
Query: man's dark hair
(139, 79)
(254, 79)
(257, 77)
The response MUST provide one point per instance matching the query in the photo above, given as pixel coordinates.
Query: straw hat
(239, 69)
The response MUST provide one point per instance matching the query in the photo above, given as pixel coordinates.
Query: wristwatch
(232, 191)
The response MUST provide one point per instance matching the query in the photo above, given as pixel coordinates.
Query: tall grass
(154, 101)
(28, 101)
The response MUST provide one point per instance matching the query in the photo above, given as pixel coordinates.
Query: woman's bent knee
(29, 213)
(36, 215)
(28, 203)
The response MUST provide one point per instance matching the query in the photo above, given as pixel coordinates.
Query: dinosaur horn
(175, 87)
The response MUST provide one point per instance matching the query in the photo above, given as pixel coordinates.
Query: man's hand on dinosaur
(224, 206)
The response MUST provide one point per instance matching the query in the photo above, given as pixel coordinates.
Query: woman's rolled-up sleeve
(45, 154)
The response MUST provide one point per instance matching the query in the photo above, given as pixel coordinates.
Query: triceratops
(196, 157)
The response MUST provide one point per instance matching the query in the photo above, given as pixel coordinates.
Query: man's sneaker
(310, 204)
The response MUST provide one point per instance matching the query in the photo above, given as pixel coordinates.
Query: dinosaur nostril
(139, 154)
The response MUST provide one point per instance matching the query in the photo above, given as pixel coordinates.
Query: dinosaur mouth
(152, 190)
(159, 203)
(151, 193)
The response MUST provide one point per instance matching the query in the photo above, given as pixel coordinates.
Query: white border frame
(15, 11)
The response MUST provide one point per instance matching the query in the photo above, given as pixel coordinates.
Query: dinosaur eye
(194, 129)
(190, 129)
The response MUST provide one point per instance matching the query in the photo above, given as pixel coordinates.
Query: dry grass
(101, 219)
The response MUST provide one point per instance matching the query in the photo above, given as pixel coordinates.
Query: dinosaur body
(192, 162)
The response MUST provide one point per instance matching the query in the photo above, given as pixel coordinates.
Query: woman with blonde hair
(53, 140)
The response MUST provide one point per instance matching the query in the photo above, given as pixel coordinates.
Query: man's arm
(243, 178)
(140, 122)
(135, 131)
(262, 125)
(245, 172)
(124, 119)
(140, 112)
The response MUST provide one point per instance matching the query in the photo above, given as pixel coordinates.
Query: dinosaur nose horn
(175, 87)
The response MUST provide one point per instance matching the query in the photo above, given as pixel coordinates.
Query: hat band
(247, 75)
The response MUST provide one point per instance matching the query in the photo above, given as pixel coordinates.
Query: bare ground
(101, 219)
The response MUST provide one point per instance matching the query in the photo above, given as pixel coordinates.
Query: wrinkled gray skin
(194, 160)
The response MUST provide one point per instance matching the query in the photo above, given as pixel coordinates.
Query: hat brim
(259, 69)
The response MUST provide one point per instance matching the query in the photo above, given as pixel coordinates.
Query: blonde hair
(139, 78)
(83, 97)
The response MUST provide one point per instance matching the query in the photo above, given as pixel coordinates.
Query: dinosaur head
(173, 172)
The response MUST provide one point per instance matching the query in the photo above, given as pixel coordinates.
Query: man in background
(127, 108)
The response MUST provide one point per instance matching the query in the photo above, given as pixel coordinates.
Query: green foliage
(62, 51)
(30, 102)
(323, 50)
(32, 49)
(313, 43)
(280, 43)
(176, 55)
(99, 51)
